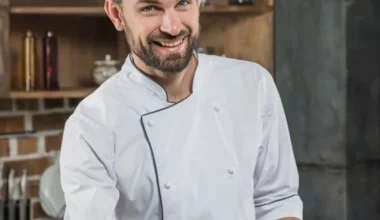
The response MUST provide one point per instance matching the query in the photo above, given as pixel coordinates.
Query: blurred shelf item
(65, 93)
(99, 11)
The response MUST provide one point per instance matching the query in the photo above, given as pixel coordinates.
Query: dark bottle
(50, 61)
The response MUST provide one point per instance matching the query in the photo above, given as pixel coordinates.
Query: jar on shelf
(104, 69)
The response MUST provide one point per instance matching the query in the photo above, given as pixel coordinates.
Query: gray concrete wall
(327, 71)
(363, 121)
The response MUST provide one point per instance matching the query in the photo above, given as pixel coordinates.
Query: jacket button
(167, 186)
(216, 108)
(150, 123)
(231, 171)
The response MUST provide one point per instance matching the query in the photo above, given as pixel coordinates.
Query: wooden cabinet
(86, 34)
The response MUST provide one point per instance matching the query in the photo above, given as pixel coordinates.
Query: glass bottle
(28, 75)
(50, 61)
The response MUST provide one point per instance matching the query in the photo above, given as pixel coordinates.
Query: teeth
(171, 44)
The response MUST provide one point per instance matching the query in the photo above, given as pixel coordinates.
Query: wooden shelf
(58, 10)
(17, 134)
(233, 9)
(69, 93)
(99, 11)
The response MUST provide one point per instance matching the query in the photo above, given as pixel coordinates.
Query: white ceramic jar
(104, 69)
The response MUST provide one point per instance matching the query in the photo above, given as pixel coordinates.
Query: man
(177, 135)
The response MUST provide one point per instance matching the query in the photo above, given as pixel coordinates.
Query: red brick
(53, 143)
(5, 104)
(27, 104)
(38, 212)
(32, 189)
(27, 145)
(50, 121)
(11, 124)
(4, 148)
(33, 166)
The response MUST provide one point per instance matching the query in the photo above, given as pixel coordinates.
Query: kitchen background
(322, 54)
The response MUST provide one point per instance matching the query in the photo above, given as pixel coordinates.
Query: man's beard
(171, 64)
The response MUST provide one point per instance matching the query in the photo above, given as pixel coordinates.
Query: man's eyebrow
(156, 2)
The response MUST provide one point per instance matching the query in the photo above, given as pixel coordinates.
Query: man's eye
(183, 3)
(149, 9)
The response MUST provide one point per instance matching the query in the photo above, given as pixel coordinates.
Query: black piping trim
(152, 153)
(155, 169)
(278, 200)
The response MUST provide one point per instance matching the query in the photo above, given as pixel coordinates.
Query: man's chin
(169, 62)
(173, 66)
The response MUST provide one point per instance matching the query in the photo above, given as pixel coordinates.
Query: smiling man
(177, 135)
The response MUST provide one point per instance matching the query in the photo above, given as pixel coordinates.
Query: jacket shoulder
(231, 70)
(100, 105)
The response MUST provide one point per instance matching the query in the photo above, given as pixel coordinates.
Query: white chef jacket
(223, 153)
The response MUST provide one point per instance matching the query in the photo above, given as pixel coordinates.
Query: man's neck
(178, 86)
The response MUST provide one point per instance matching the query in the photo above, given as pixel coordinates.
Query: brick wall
(37, 150)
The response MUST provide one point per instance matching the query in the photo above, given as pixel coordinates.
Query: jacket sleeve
(276, 178)
(86, 166)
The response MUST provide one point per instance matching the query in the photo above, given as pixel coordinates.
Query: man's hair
(118, 1)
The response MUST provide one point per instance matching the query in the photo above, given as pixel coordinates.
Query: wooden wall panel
(122, 47)
(245, 37)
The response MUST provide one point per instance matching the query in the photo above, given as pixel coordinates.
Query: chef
(177, 135)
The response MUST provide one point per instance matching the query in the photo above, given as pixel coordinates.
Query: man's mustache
(164, 36)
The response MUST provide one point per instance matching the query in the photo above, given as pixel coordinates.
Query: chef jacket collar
(138, 76)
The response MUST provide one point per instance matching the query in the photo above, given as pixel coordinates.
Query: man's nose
(171, 23)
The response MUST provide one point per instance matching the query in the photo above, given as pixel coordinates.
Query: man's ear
(113, 11)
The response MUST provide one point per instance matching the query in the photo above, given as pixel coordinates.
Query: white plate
(50, 192)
